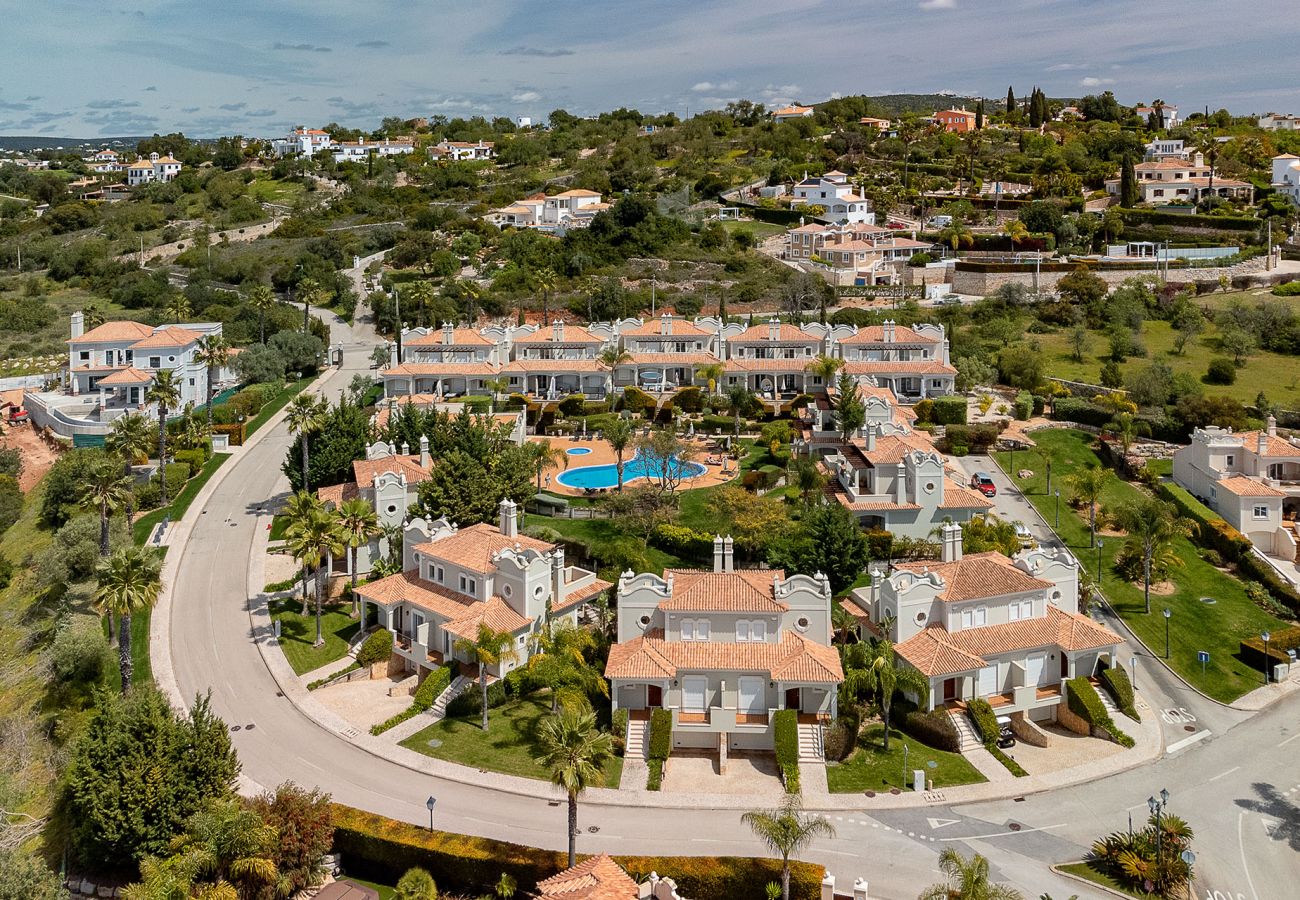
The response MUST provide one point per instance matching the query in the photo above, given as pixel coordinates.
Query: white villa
(724, 650)
(462, 150)
(455, 579)
(984, 626)
(553, 214)
(302, 142)
(861, 254)
(833, 193)
(155, 168)
(1251, 478)
(1286, 176)
(1174, 179)
(913, 362)
(1277, 122)
(359, 151)
(1166, 148)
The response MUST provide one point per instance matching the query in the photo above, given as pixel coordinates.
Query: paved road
(1237, 786)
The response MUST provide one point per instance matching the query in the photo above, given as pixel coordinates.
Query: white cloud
(1064, 67)
(704, 87)
(526, 97)
(1092, 81)
(929, 5)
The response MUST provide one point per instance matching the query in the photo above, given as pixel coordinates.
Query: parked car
(1024, 535)
(984, 484)
(1006, 737)
(940, 221)
(897, 226)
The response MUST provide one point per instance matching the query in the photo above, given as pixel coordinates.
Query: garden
(298, 633)
(872, 768)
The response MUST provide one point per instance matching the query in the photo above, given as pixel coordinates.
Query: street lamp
(1049, 487)
(1058, 505)
(1098, 563)
(1167, 615)
(1157, 807)
(1266, 636)
(429, 804)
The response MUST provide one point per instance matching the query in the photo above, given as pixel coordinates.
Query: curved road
(1237, 787)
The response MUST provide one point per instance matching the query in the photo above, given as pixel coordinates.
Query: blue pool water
(578, 451)
(607, 476)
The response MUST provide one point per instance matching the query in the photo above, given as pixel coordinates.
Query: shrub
(785, 725)
(11, 502)
(689, 400)
(924, 410)
(1117, 682)
(177, 474)
(1221, 371)
(618, 730)
(950, 410)
(193, 458)
(434, 684)
(1290, 289)
(572, 405)
(841, 736)
(986, 722)
(1024, 405)
(377, 648)
(636, 400)
(880, 544)
(661, 734)
(147, 496)
(470, 703)
(654, 781)
(1012, 766)
(1077, 409)
(682, 541)
(934, 729)
(1280, 641)
(1084, 703)
(80, 652)
(725, 424)
(235, 432)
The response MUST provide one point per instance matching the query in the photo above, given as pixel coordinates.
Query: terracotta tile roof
(897, 367)
(655, 326)
(958, 496)
(365, 471)
(836, 493)
(572, 334)
(461, 614)
(171, 336)
(473, 547)
(1239, 485)
(891, 448)
(554, 365)
(693, 358)
(748, 590)
(124, 330)
(580, 595)
(459, 337)
(579, 192)
(798, 364)
(128, 376)
(337, 493)
(597, 878)
(495, 613)
(930, 651)
(1274, 445)
(449, 368)
(794, 658)
(875, 334)
(978, 575)
(785, 332)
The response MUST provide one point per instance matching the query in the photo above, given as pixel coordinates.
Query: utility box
(918, 779)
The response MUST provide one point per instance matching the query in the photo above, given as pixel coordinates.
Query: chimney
(860, 889)
(557, 330)
(951, 551)
(1272, 426)
(889, 331)
(665, 324)
(773, 329)
(448, 333)
(78, 324)
(557, 574)
(424, 451)
(406, 449)
(509, 515)
(717, 553)
(900, 483)
(727, 565)
(870, 432)
(1261, 443)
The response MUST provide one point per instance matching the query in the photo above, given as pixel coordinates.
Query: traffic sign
(1202, 656)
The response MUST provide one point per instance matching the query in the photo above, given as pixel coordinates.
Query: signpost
(1202, 656)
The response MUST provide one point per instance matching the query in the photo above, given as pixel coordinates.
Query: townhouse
(463, 150)
(360, 151)
(155, 168)
(724, 650)
(455, 579)
(665, 353)
(833, 193)
(913, 362)
(446, 362)
(556, 360)
(1173, 179)
(985, 626)
(859, 254)
(772, 359)
(1251, 479)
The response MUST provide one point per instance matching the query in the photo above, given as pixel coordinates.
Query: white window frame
(687, 629)
(758, 630)
(701, 629)
(967, 618)
(1261, 512)
(742, 631)
(981, 616)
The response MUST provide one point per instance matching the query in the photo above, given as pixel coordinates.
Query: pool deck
(603, 455)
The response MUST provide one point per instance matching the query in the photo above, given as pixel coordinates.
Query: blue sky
(77, 68)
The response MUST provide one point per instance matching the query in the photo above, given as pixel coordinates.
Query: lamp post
(1167, 615)
(1049, 488)
(429, 804)
(1058, 506)
(1266, 636)
(1157, 807)
(1098, 563)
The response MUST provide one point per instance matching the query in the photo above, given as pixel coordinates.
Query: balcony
(722, 718)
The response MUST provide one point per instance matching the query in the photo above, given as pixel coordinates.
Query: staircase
(450, 693)
(1108, 702)
(810, 743)
(637, 745)
(969, 739)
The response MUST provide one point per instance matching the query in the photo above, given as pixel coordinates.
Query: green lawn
(298, 633)
(1088, 873)
(292, 390)
(1276, 375)
(267, 190)
(1217, 628)
(279, 524)
(761, 230)
(144, 525)
(598, 531)
(871, 769)
(507, 746)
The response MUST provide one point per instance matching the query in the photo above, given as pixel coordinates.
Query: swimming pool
(578, 451)
(607, 476)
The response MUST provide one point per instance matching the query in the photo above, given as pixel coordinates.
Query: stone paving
(696, 772)
(363, 703)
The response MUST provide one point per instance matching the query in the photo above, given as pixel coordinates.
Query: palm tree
(712, 375)
(106, 491)
(178, 307)
(559, 658)
(357, 521)
(421, 294)
(416, 884)
(825, 367)
(1088, 486)
(93, 316)
(543, 456)
(575, 752)
(469, 291)
(262, 299)
(875, 668)
(957, 235)
(787, 831)
(214, 353)
(129, 581)
(312, 540)
(299, 509)
(842, 621)
(1152, 526)
(544, 279)
(506, 886)
(1126, 429)
(619, 434)
(165, 391)
(131, 438)
(967, 880)
(490, 648)
(613, 357)
(1209, 148)
(229, 844)
(1016, 230)
(306, 415)
(739, 398)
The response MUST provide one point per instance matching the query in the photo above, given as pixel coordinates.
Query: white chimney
(424, 451)
(1261, 443)
(665, 324)
(78, 324)
(406, 449)
(448, 333)
(773, 329)
(557, 330)
(557, 574)
(870, 433)
(900, 483)
(727, 565)
(509, 518)
(717, 553)
(889, 331)
(1272, 426)
(951, 551)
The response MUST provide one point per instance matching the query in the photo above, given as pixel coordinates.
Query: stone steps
(637, 745)
(965, 731)
(810, 743)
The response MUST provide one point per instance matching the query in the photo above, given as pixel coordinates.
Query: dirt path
(37, 455)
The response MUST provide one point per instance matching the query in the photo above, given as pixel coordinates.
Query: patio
(601, 454)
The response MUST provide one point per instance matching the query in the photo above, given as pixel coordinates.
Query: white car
(1024, 535)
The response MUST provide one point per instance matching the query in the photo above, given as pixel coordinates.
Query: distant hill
(27, 143)
(893, 104)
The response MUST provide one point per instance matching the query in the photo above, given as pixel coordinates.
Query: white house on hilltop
(155, 168)
(462, 150)
(359, 151)
(833, 193)
(302, 142)
(1286, 176)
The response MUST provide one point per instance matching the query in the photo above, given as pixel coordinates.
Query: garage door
(694, 691)
(751, 694)
(1034, 670)
(988, 683)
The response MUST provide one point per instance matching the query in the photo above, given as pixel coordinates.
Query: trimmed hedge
(1012, 766)
(1280, 641)
(661, 734)
(376, 648)
(618, 730)
(934, 729)
(434, 684)
(1084, 703)
(654, 781)
(949, 410)
(1116, 681)
(785, 724)
(1077, 409)
(1188, 220)
(470, 703)
(374, 848)
(682, 541)
(986, 725)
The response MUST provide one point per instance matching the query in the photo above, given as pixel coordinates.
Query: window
(1261, 512)
(688, 629)
(643, 621)
(155, 362)
(802, 623)
(1230, 459)
(758, 630)
(742, 631)
(981, 616)
(702, 630)
(438, 574)
(967, 618)
(84, 356)
(468, 585)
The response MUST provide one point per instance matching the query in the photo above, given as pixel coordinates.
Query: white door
(1034, 670)
(695, 691)
(752, 699)
(988, 683)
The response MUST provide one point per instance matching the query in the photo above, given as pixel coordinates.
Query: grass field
(298, 632)
(1276, 375)
(760, 230)
(870, 768)
(1088, 873)
(28, 351)
(267, 190)
(507, 746)
(1194, 625)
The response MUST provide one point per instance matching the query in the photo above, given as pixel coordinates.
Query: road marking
(996, 834)
(1289, 740)
(942, 823)
(1241, 846)
(1222, 774)
(1187, 742)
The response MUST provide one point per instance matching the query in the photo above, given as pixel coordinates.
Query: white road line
(1242, 847)
(1188, 741)
(1289, 740)
(1222, 774)
(996, 834)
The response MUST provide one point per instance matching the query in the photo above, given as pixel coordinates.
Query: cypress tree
(979, 114)
(1011, 100)
(1035, 111)
(1128, 188)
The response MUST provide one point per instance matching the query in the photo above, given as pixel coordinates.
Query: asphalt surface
(1237, 785)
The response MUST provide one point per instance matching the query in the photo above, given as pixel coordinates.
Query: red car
(984, 484)
(897, 226)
